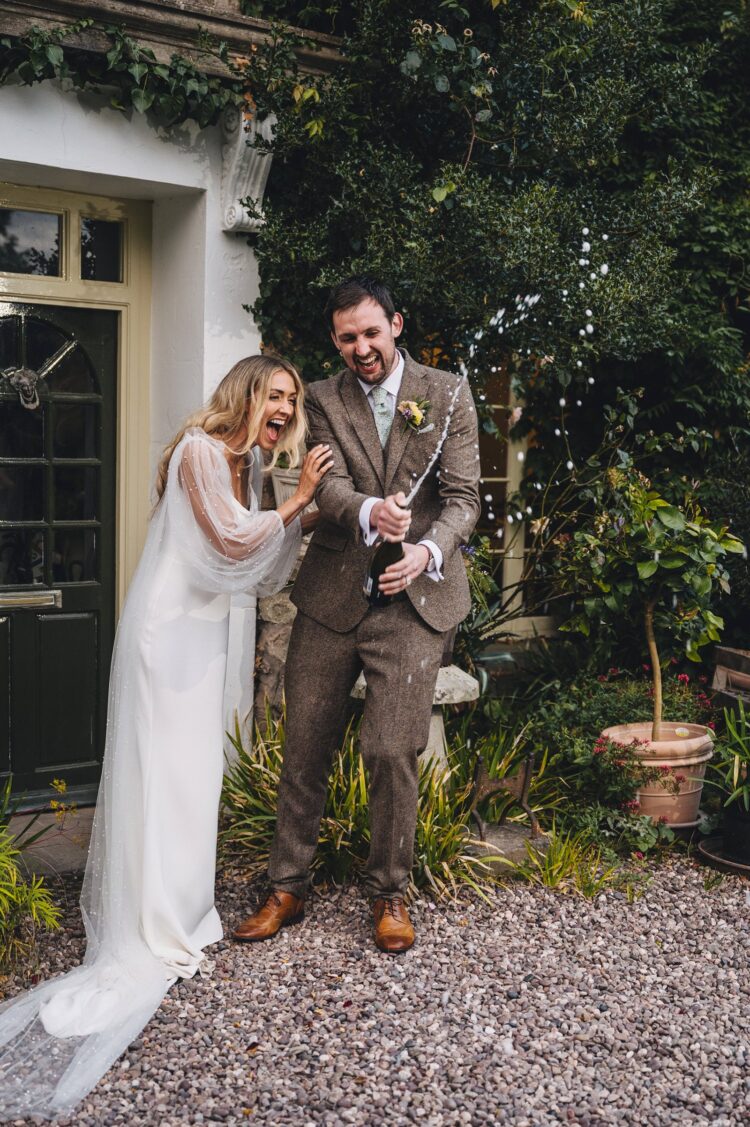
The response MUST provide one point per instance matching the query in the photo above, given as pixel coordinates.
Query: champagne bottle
(387, 552)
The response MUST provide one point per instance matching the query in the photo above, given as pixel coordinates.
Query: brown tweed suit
(337, 634)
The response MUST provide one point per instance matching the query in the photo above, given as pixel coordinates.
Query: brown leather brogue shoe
(393, 931)
(280, 910)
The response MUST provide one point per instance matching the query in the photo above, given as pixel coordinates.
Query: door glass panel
(74, 555)
(21, 492)
(57, 357)
(493, 509)
(30, 242)
(493, 453)
(21, 555)
(8, 341)
(101, 250)
(76, 492)
(41, 341)
(21, 431)
(75, 430)
(72, 373)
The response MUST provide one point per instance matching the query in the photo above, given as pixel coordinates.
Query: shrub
(728, 504)
(591, 785)
(589, 705)
(442, 864)
(638, 556)
(25, 905)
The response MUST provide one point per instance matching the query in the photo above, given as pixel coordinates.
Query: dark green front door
(58, 369)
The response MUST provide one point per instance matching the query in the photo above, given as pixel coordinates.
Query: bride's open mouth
(274, 428)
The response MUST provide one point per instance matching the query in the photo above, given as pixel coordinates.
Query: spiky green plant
(570, 863)
(251, 785)
(25, 905)
(443, 860)
(503, 750)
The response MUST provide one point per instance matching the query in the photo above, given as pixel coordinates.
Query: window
(30, 242)
(101, 250)
(502, 462)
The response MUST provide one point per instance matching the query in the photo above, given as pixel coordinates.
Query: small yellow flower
(413, 412)
(59, 785)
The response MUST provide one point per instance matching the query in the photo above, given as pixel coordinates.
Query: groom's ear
(397, 324)
(335, 342)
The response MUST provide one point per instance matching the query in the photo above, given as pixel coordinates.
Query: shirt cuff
(369, 535)
(434, 568)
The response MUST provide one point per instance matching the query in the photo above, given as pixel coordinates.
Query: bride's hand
(316, 464)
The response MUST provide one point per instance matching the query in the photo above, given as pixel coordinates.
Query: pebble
(533, 1010)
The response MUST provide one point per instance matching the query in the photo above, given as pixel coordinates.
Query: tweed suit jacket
(329, 585)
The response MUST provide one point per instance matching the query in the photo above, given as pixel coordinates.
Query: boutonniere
(414, 414)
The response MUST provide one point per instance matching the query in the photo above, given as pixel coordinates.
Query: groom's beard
(378, 373)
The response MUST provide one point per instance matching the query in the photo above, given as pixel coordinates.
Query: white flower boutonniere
(414, 414)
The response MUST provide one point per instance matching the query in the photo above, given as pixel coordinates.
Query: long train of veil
(58, 1039)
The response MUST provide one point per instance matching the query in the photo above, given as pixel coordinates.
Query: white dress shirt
(392, 385)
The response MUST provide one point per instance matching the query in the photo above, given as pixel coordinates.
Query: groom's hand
(390, 518)
(398, 576)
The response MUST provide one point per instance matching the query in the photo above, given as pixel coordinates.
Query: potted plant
(732, 776)
(643, 558)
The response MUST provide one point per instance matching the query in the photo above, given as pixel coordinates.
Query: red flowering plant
(617, 773)
(600, 780)
(639, 556)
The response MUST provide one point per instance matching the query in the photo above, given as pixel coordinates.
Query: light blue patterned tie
(383, 416)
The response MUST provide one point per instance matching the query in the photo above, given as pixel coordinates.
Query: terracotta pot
(685, 749)
(737, 832)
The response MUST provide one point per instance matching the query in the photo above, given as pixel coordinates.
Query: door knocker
(24, 381)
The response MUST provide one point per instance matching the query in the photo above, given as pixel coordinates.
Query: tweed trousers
(400, 656)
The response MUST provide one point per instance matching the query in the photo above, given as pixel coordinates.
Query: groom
(378, 455)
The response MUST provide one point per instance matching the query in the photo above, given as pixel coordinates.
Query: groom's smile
(366, 339)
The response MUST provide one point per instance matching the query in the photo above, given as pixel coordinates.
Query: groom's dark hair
(349, 293)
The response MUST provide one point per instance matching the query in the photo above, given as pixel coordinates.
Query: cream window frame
(132, 299)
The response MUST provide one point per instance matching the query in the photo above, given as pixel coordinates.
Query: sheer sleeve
(231, 548)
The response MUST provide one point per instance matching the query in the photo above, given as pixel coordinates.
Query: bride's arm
(233, 531)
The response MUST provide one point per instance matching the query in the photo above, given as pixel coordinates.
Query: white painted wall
(202, 276)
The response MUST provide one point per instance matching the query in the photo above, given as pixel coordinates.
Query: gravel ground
(541, 1009)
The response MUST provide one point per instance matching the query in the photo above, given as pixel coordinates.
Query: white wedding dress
(148, 892)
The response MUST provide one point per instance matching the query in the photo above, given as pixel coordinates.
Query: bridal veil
(147, 898)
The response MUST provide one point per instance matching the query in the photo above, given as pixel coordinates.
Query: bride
(148, 892)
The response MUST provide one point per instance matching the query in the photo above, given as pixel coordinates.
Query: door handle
(16, 600)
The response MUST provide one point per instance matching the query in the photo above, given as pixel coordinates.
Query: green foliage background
(462, 149)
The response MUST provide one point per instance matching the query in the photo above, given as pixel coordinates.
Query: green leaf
(54, 54)
(142, 99)
(701, 584)
(439, 194)
(671, 518)
(413, 61)
(647, 568)
(442, 85)
(672, 562)
(447, 42)
(138, 71)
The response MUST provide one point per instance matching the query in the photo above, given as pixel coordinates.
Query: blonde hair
(248, 382)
